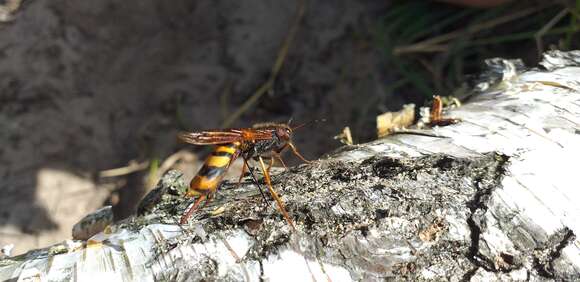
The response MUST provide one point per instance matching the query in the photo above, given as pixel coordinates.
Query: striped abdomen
(214, 169)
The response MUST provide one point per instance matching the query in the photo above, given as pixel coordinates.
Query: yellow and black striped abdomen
(213, 170)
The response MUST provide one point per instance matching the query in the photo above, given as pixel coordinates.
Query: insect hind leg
(275, 195)
(193, 208)
(251, 169)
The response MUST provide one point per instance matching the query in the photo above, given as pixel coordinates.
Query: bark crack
(545, 256)
(261, 264)
(469, 274)
(486, 183)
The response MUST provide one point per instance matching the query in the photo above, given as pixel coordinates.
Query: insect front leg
(295, 151)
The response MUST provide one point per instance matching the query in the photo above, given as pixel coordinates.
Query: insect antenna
(307, 123)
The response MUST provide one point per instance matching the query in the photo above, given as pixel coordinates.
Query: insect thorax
(262, 147)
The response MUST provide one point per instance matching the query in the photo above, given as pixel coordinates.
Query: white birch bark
(494, 197)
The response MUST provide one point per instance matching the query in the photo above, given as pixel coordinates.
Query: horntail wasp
(256, 142)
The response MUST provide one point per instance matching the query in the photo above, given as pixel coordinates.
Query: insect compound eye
(283, 133)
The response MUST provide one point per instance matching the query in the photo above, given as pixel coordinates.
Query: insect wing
(211, 137)
(224, 136)
(250, 134)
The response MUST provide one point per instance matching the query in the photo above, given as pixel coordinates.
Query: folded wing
(224, 136)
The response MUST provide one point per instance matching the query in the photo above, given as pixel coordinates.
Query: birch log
(494, 197)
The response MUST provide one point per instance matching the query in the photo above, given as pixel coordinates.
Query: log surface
(492, 197)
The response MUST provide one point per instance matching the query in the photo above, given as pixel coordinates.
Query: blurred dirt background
(89, 86)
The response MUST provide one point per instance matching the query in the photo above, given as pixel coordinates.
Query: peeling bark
(492, 197)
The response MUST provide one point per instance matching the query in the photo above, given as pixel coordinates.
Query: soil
(87, 86)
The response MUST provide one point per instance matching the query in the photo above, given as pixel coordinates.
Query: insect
(262, 140)
(436, 118)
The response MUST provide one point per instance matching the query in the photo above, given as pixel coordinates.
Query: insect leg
(244, 169)
(192, 209)
(274, 194)
(279, 158)
(278, 155)
(271, 164)
(257, 183)
(298, 154)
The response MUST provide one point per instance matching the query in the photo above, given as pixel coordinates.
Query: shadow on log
(492, 197)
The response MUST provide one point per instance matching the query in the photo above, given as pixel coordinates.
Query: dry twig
(275, 69)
